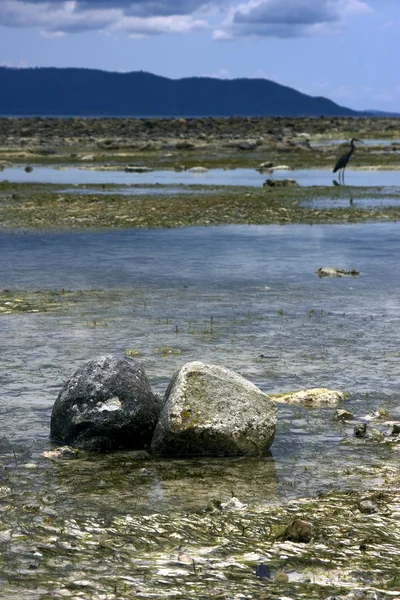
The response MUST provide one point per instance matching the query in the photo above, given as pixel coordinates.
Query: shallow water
(367, 203)
(368, 142)
(225, 295)
(114, 527)
(245, 177)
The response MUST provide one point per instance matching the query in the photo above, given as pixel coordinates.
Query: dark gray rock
(280, 183)
(212, 411)
(107, 404)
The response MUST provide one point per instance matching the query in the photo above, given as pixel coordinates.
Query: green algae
(30, 206)
(83, 536)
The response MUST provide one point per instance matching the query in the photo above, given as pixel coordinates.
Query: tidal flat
(222, 274)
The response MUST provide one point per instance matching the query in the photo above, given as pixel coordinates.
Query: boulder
(107, 404)
(212, 411)
(314, 397)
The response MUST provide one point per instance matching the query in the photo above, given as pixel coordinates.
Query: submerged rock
(62, 452)
(209, 410)
(107, 404)
(313, 397)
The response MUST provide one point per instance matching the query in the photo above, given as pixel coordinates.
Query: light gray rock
(335, 272)
(314, 397)
(210, 410)
(107, 404)
(198, 170)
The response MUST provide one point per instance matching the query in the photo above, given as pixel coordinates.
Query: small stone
(396, 429)
(214, 505)
(367, 507)
(375, 435)
(281, 577)
(360, 430)
(344, 415)
(299, 531)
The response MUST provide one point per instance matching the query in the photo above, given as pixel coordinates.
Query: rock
(47, 151)
(298, 531)
(379, 415)
(210, 410)
(107, 404)
(335, 272)
(360, 430)
(281, 168)
(314, 397)
(184, 145)
(280, 183)
(198, 170)
(344, 415)
(62, 452)
(266, 165)
(367, 507)
(396, 429)
(137, 169)
(375, 435)
(247, 145)
(370, 433)
(233, 504)
(281, 577)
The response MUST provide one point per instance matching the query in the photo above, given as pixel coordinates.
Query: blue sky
(346, 50)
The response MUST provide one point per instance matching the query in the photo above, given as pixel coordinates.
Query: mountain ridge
(53, 91)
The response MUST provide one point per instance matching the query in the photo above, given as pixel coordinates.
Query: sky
(345, 50)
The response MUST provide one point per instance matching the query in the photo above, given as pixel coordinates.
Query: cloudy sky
(347, 50)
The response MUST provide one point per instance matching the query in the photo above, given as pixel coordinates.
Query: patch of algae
(39, 207)
(213, 553)
(40, 301)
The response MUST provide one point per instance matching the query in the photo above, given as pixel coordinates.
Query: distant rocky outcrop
(212, 411)
(89, 92)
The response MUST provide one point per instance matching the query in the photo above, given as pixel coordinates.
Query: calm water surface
(224, 295)
(245, 177)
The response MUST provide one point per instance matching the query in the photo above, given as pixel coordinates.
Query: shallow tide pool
(112, 527)
(245, 177)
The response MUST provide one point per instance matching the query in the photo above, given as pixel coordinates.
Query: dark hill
(89, 92)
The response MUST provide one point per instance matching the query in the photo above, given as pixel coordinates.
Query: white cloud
(229, 18)
(22, 64)
(221, 74)
(72, 16)
(289, 18)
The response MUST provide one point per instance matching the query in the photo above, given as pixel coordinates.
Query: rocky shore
(235, 141)
(197, 145)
